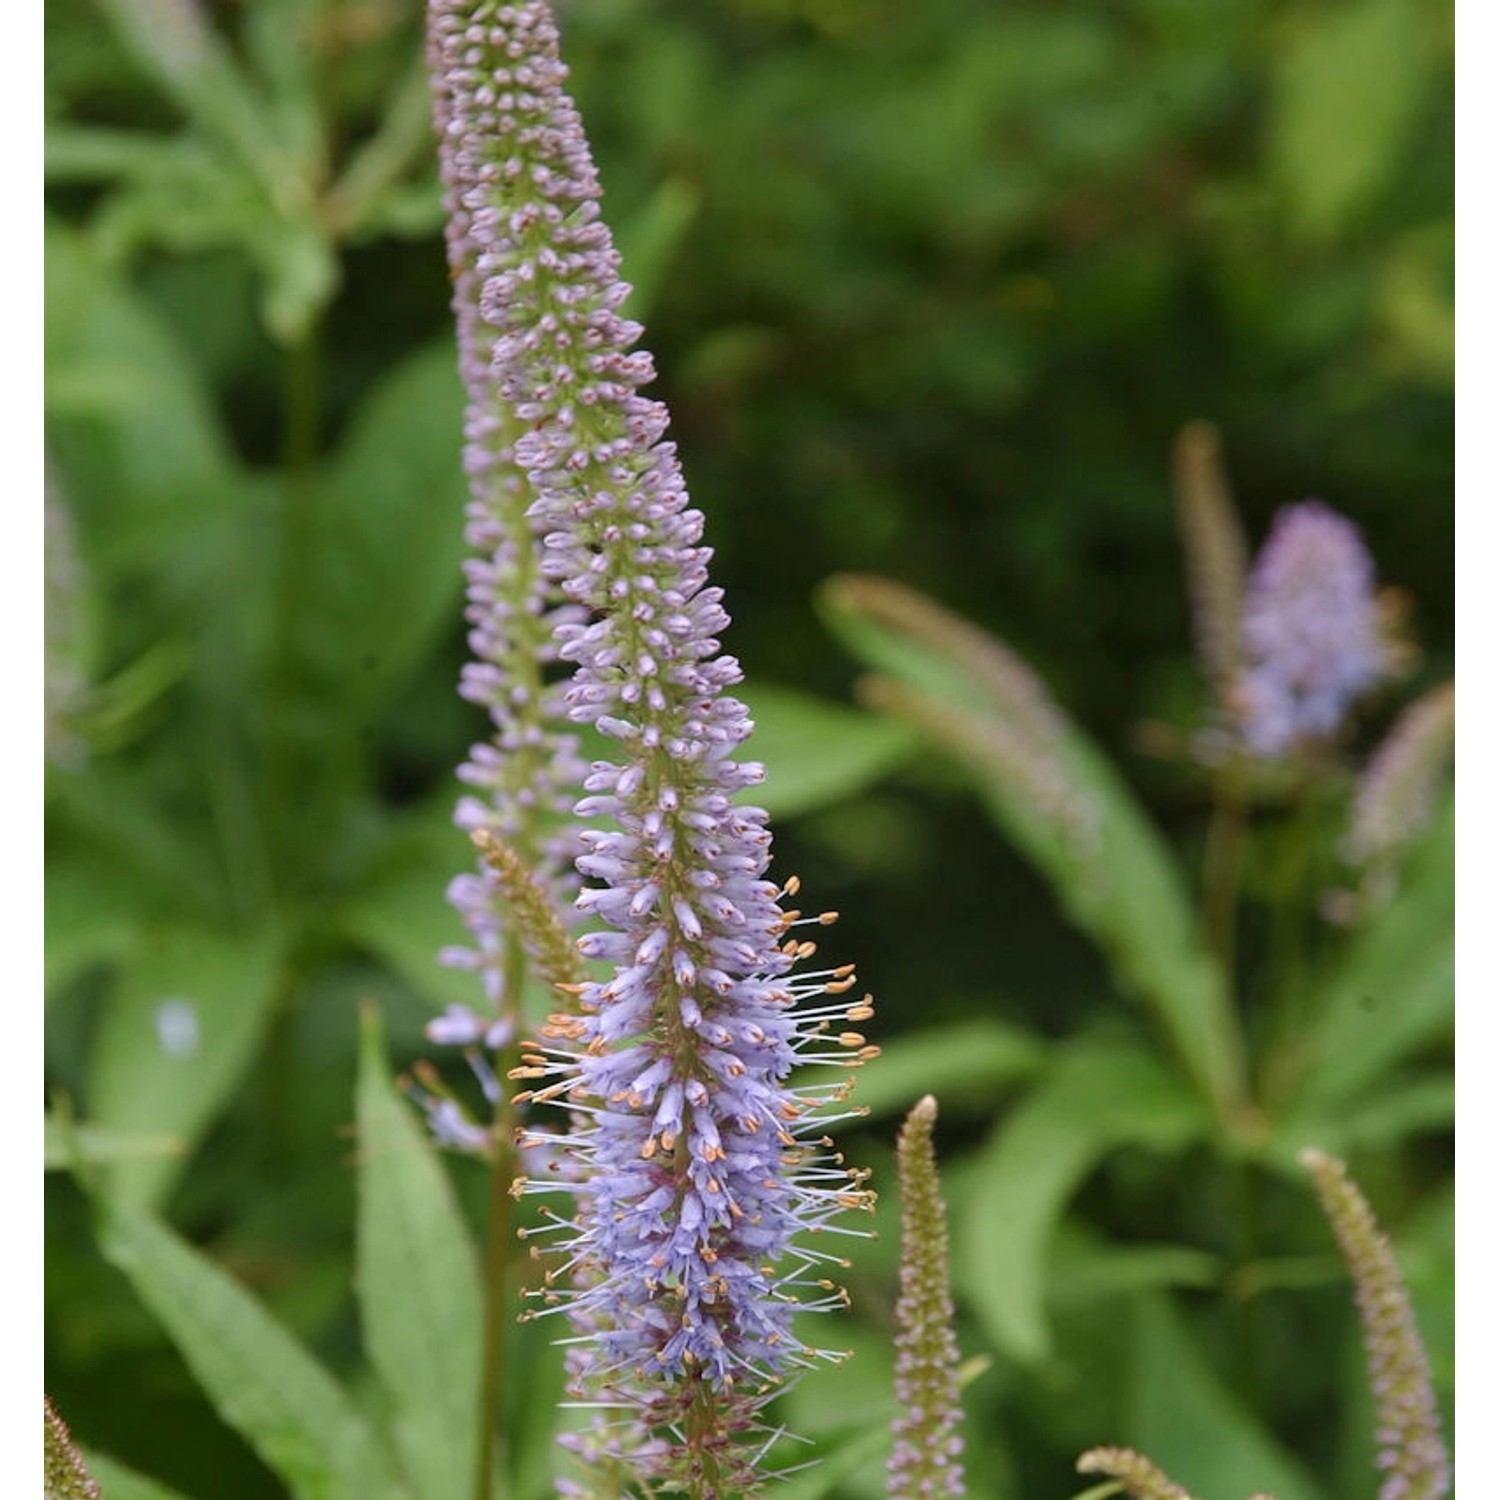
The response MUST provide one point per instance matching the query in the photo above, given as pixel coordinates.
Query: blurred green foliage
(931, 288)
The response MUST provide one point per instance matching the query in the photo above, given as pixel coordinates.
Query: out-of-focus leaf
(387, 537)
(1096, 1098)
(401, 913)
(816, 752)
(176, 41)
(1192, 1425)
(301, 268)
(418, 1278)
(100, 1146)
(178, 1033)
(1348, 92)
(132, 416)
(1392, 994)
(90, 153)
(1088, 1269)
(88, 920)
(1106, 863)
(121, 1483)
(971, 1060)
(838, 1461)
(260, 1380)
(1399, 1109)
(648, 242)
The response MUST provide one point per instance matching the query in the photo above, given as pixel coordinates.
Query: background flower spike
(1411, 1454)
(924, 1462)
(1138, 1477)
(1213, 540)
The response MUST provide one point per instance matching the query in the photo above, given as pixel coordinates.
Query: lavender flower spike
(699, 1164)
(1412, 1454)
(1310, 633)
(924, 1462)
(529, 771)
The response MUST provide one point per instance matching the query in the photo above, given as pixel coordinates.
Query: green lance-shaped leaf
(1096, 1098)
(120, 1482)
(178, 1033)
(817, 753)
(66, 1476)
(1412, 1453)
(1179, 1410)
(260, 1380)
(924, 1461)
(1213, 541)
(1391, 992)
(418, 1279)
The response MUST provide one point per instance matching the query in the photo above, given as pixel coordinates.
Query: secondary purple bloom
(528, 772)
(699, 1164)
(1310, 632)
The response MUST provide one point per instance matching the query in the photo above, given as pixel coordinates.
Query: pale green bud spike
(1214, 542)
(1411, 1451)
(533, 913)
(1010, 685)
(924, 1461)
(1137, 1476)
(66, 1477)
(1393, 802)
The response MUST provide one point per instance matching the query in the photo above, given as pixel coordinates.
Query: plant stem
(1222, 861)
(498, 1239)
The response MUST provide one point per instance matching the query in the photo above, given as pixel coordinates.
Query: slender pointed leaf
(817, 752)
(1096, 1099)
(119, 1482)
(419, 1288)
(261, 1381)
(179, 1031)
(1192, 1425)
(1393, 992)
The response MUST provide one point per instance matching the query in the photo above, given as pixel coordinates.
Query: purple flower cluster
(698, 1162)
(1310, 633)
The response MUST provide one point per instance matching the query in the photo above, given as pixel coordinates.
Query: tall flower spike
(1310, 635)
(698, 1164)
(1409, 1438)
(924, 1461)
(529, 772)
